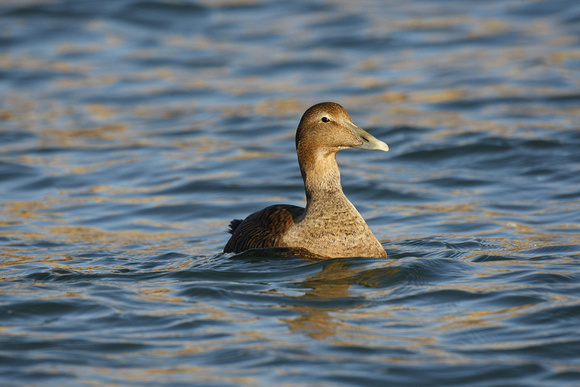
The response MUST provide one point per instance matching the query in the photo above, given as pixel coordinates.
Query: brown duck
(329, 226)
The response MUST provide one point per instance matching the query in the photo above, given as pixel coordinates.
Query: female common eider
(329, 226)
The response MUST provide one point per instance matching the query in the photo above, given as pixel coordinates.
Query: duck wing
(263, 228)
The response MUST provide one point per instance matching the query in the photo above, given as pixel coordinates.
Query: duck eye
(325, 119)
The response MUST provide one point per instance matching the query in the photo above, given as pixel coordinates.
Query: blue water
(132, 132)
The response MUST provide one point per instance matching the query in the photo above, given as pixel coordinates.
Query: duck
(329, 226)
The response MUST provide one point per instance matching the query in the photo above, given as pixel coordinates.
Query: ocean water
(133, 131)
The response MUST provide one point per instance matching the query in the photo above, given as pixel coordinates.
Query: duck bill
(367, 140)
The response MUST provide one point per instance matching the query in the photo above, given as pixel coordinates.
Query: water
(131, 132)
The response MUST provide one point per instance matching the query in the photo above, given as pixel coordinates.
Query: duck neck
(321, 178)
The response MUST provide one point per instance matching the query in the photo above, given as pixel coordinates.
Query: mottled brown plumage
(262, 228)
(329, 226)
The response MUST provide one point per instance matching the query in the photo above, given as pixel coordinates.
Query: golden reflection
(279, 107)
(436, 96)
(562, 56)
(92, 376)
(243, 154)
(487, 27)
(92, 81)
(228, 3)
(102, 112)
(159, 294)
(16, 211)
(35, 63)
(82, 234)
(6, 115)
(333, 282)
(427, 23)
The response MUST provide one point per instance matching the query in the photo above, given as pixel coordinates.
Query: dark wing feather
(262, 228)
(234, 225)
